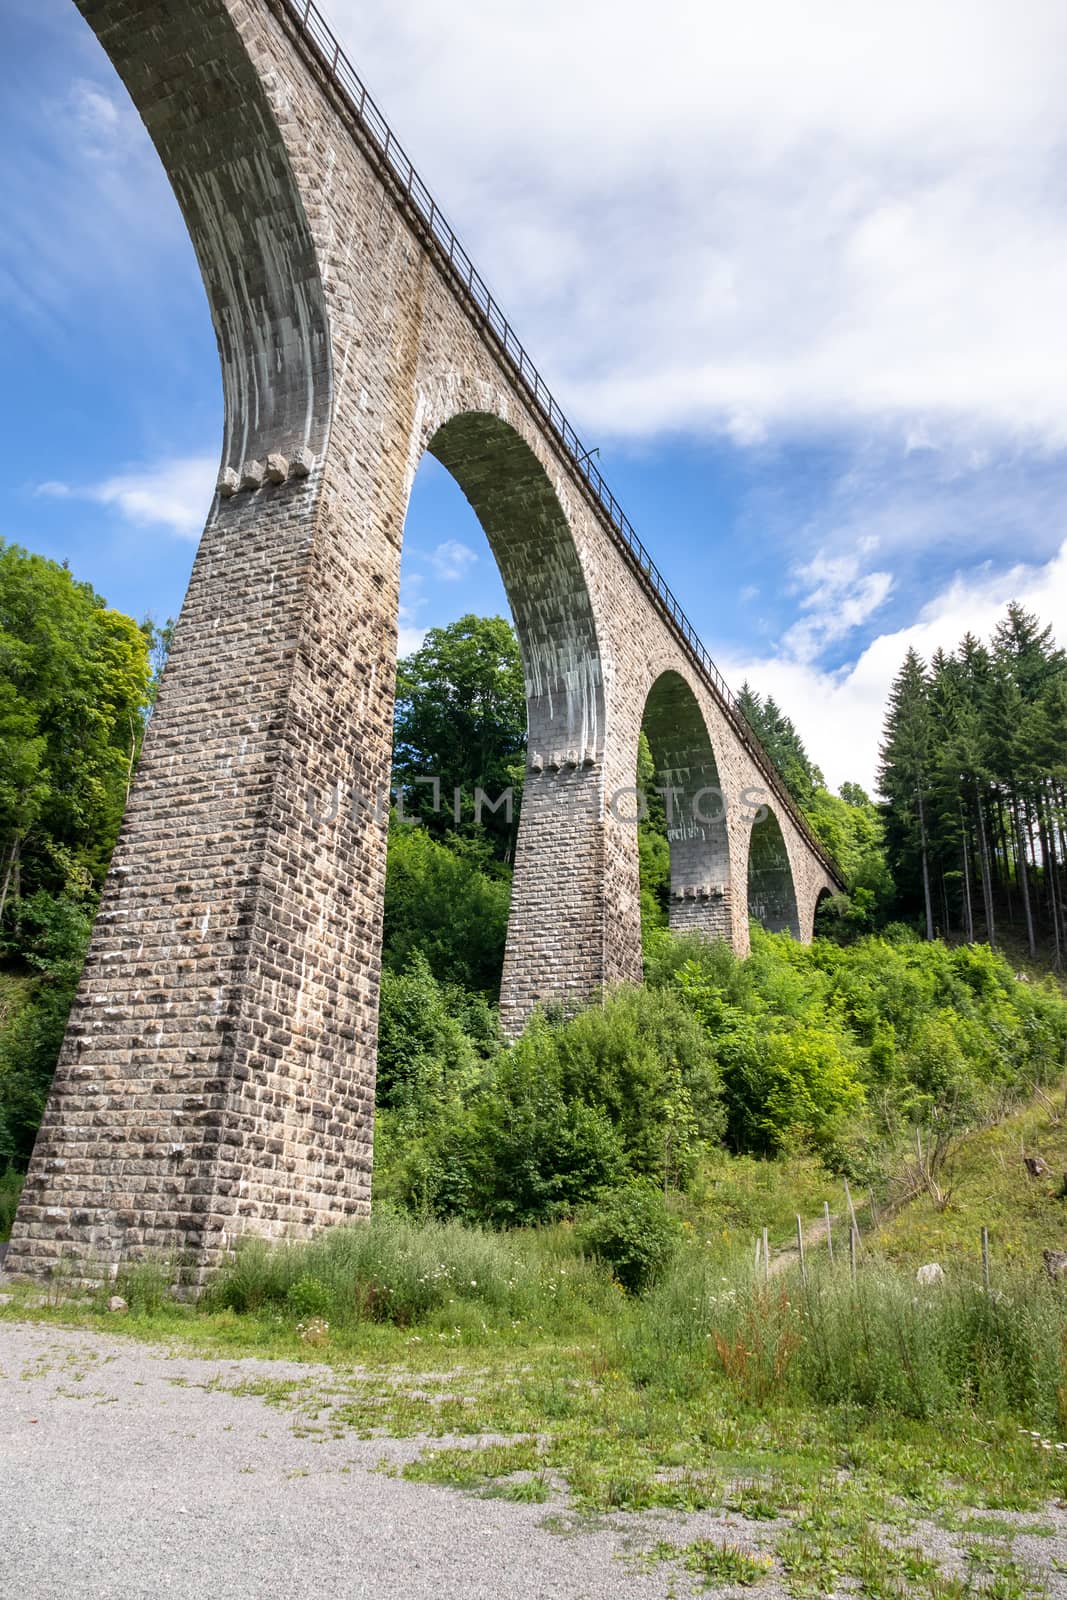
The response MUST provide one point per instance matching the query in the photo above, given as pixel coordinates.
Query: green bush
(632, 1231)
(517, 1149)
(627, 1088)
(431, 1039)
(806, 1035)
(10, 1189)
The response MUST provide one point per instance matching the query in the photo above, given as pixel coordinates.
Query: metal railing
(445, 244)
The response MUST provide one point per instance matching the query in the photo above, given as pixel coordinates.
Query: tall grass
(393, 1269)
(885, 1343)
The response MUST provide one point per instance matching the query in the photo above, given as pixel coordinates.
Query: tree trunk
(987, 876)
(1048, 847)
(968, 908)
(1024, 878)
(926, 867)
(12, 863)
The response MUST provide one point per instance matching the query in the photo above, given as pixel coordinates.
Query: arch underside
(687, 773)
(772, 899)
(534, 549)
(233, 180)
(554, 950)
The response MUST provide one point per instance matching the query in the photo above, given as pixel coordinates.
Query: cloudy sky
(800, 272)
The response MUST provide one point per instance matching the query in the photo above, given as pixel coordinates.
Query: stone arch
(772, 897)
(531, 540)
(696, 808)
(554, 948)
(233, 180)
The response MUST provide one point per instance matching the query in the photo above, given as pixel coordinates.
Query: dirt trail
(814, 1239)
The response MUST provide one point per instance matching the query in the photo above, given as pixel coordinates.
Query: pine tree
(904, 772)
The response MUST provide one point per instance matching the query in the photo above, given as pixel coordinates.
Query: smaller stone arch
(555, 943)
(772, 896)
(533, 544)
(688, 775)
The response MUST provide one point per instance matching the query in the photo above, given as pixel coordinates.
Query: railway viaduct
(217, 1075)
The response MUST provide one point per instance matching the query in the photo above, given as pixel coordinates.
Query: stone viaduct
(218, 1071)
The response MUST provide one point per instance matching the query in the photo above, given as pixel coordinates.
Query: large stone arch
(772, 894)
(697, 831)
(531, 540)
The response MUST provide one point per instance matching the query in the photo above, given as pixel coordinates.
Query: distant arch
(821, 899)
(688, 775)
(772, 898)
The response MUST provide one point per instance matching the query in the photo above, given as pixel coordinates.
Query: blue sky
(797, 271)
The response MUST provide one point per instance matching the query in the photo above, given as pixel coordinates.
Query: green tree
(779, 737)
(448, 900)
(654, 851)
(74, 693)
(903, 776)
(461, 718)
(74, 688)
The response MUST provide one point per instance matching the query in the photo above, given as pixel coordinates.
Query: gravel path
(119, 1477)
(127, 1470)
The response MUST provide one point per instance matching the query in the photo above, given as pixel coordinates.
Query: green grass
(712, 1562)
(988, 1186)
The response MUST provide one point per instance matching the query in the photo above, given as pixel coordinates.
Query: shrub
(431, 1039)
(802, 1033)
(631, 1230)
(10, 1189)
(516, 1150)
(627, 1088)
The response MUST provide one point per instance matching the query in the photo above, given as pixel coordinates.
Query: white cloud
(171, 494)
(96, 112)
(409, 640)
(452, 559)
(841, 714)
(839, 598)
(753, 218)
(110, 233)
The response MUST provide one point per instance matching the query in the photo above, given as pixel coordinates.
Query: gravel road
(121, 1476)
(130, 1471)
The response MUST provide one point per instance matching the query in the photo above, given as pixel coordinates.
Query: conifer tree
(903, 776)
